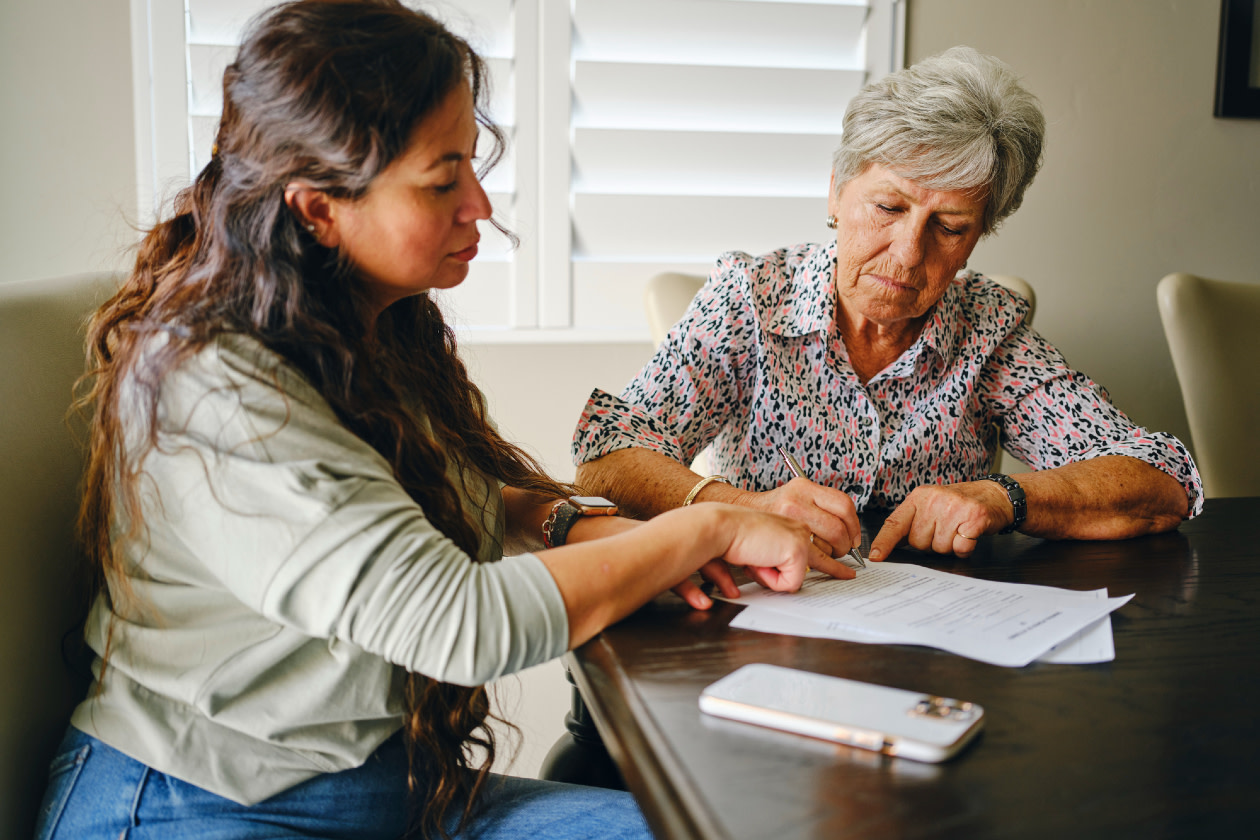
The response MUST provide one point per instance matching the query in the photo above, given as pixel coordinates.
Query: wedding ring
(811, 539)
(964, 536)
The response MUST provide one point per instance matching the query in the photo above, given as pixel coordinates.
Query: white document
(1091, 645)
(1001, 623)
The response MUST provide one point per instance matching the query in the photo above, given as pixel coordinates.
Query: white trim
(884, 56)
(142, 99)
(566, 335)
(555, 226)
(526, 73)
(158, 33)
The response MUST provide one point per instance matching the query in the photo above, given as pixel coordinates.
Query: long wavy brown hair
(327, 93)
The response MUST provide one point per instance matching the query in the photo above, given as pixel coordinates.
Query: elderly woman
(888, 371)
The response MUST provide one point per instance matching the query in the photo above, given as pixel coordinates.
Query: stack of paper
(1008, 624)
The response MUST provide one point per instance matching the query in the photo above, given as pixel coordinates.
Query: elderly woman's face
(899, 245)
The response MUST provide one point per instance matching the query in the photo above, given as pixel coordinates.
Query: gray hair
(955, 121)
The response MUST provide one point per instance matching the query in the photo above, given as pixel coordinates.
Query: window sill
(567, 335)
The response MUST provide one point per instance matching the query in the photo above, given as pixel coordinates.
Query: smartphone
(907, 724)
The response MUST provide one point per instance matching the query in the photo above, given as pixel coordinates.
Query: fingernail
(875, 554)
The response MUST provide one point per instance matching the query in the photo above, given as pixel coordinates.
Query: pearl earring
(833, 222)
(311, 228)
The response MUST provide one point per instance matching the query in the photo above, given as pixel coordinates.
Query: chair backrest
(41, 354)
(666, 298)
(1213, 330)
(1021, 287)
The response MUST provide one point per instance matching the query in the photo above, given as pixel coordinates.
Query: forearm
(602, 582)
(1110, 497)
(645, 483)
(527, 511)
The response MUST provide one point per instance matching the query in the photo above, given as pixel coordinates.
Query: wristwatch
(1018, 500)
(555, 529)
(593, 505)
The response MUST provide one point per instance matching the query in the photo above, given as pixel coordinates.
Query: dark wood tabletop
(1162, 742)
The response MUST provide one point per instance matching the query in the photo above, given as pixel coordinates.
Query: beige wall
(1139, 180)
(67, 155)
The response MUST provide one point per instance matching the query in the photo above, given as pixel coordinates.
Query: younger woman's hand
(715, 572)
(774, 550)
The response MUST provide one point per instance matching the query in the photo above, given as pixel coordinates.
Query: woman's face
(416, 226)
(898, 245)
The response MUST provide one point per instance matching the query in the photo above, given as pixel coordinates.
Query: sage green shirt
(284, 580)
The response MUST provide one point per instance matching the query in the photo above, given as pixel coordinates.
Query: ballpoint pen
(796, 471)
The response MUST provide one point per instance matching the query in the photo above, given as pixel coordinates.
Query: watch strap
(1015, 493)
(555, 529)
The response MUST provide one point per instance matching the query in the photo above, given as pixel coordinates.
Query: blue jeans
(94, 791)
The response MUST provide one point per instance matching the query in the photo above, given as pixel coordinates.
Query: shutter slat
(221, 21)
(206, 65)
(487, 25)
(690, 228)
(701, 162)
(483, 299)
(716, 32)
(681, 97)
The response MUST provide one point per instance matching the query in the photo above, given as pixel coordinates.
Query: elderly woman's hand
(946, 519)
(774, 551)
(828, 513)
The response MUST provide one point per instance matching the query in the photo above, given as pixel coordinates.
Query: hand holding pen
(798, 473)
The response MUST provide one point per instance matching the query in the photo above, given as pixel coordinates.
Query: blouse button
(865, 421)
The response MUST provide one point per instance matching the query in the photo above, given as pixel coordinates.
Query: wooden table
(1162, 742)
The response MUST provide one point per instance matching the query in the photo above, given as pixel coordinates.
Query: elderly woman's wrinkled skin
(898, 248)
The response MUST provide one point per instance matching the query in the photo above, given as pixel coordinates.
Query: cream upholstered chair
(666, 298)
(1212, 332)
(668, 295)
(1021, 287)
(41, 354)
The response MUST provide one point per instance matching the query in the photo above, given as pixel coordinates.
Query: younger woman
(296, 507)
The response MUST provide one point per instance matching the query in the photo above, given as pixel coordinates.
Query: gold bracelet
(700, 485)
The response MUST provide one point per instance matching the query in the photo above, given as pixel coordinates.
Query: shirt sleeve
(696, 381)
(273, 499)
(1051, 415)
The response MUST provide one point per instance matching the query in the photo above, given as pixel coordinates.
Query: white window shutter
(701, 126)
